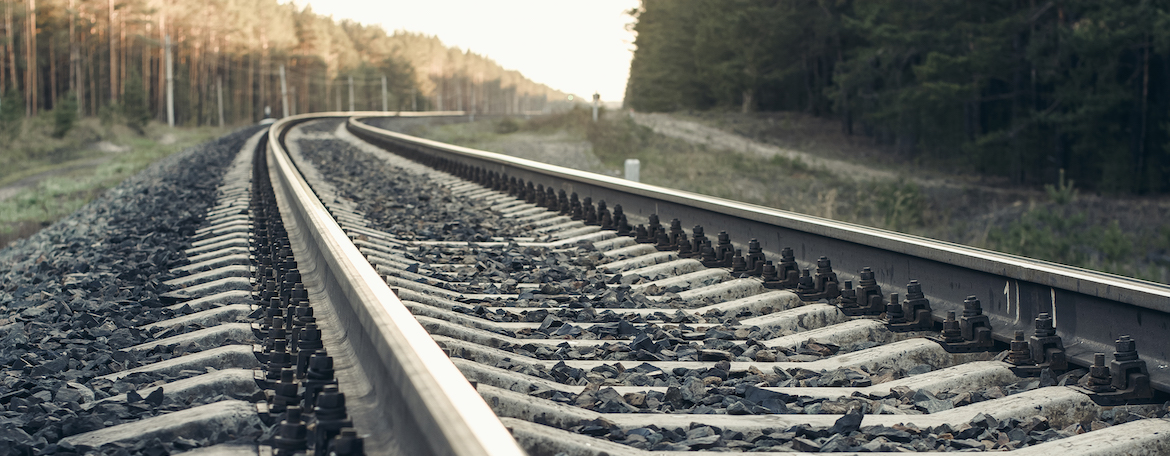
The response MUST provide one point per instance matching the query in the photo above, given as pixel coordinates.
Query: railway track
(356, 290)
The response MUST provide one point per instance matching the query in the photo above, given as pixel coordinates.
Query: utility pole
(413, 99)
(351, 93)
(385, 101)
(219, 97)
(283, 93)
(170, 82)
(293, 99)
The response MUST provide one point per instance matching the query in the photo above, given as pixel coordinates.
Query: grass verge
(68, 187)
(1126, 237)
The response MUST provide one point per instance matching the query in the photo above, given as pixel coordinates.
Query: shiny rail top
(411, 399)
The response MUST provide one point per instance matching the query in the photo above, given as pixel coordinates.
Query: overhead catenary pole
(219, 97)
(385, 100)
(283, 93)
(351, 93)
(170, 61)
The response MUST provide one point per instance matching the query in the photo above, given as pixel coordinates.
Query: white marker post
(385, 100)
(633, 169)
(597, 104)
(283, 94)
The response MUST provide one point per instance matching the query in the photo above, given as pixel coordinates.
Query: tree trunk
(123, 54)
(263, 73)
(11, 35)
(250, 88)
(72, 48)
(4, 56)
(748, 96)
(1140, 154)
(113, 54)
(306, 95)
(30, 79)
(144, 60)
(52, 73)
(79, 88)
(161, 101)
(93, 91)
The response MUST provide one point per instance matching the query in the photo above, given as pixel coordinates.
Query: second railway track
(442, 300)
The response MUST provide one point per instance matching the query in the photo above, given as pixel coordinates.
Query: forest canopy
(94, 52)
(1021, 89)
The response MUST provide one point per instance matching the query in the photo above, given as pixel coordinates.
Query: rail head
(1091, 308)
(430, 407)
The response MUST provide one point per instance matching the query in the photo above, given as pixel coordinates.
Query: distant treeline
(109, 54)
(1018, 88)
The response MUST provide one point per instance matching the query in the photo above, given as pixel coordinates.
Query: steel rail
(1090, 309)
(405, 394)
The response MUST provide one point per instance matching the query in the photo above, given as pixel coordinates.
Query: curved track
(585, 330)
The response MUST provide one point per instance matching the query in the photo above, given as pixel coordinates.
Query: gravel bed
(322, 126)
(571, 291)
(981, 433)
(72, 295)
(400, 202)
(717, 390)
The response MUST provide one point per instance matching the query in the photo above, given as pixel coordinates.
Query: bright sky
(577, 47)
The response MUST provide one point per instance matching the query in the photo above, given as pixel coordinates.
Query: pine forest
(1029, 90)
(227, 61)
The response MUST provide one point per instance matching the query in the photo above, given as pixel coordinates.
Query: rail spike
(969, 333)
(1125, 381)
(913, 314)
(1044, 350)
(824, 284)
(866, 299)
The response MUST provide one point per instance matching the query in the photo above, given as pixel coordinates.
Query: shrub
(11, 112)
(64, 115)
(507, 125)
(134, 104)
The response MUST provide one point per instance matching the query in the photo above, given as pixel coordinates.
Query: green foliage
(110, 114)
(11, 113)
(65, 115)
(575, 120)
(507, 125)
(1062, 235)
(900, 204)
(1006, 88)
(793, 164)
(1063, 192)
(134, 105)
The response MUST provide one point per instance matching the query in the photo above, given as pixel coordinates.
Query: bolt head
(1126, 344)
(1044, 321)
